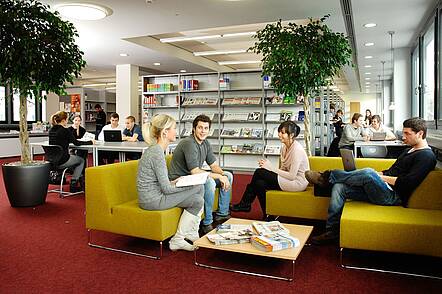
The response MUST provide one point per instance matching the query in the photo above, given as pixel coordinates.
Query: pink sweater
(294, 162)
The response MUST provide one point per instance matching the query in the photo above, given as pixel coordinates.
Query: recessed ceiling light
(368, 73)
(124, 54)
(83, 11)
(367, 66)
(199, 38)
(367, 79)
(219, 52)
(369, 25)
(368, 57)
(369, 44)
(367, 83)
(183, 70)
(156, 63)
(238, 62)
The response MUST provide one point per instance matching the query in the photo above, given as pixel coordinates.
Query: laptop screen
(112, 136)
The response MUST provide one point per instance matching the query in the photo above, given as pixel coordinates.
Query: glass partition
(428, 73)
(415, 86)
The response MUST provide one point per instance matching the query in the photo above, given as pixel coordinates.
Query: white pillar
(402, 86)
(127, 97)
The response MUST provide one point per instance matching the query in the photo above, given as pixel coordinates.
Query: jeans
(223, 200)
(362, 185)
(75, 162)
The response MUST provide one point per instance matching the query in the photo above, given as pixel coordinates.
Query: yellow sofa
(416, 229)
(112, 206)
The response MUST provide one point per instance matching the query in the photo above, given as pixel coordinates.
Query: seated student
(378, 127)
(132, 133)
(60, 135)
(188, 158)
(109, 156)
(288, 177)
(156, 192)
(393, 186)
(353, 132)
(78, 131)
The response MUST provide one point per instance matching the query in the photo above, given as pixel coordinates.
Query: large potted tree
(37, 53)
(301, 59)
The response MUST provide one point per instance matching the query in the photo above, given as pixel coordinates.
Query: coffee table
(298, 231)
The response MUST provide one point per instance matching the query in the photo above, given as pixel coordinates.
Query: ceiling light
(367, 79)
(183, 70)
(369, 44)
(99, 84)
(218, 52)
(124, 54)
(156, 63)
(367, 66)
(368, 57)
(367, 83)
(369, 25)
(83, 11)
(238, 62)
(199, 38)
(368, 73)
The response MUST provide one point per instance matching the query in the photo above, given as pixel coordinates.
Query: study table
(121, 147)
(359, 144)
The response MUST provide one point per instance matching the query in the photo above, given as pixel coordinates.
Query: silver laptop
(348, 159)
(378, 136)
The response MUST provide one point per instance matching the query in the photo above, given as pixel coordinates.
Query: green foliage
(38, 50)
(300, 58)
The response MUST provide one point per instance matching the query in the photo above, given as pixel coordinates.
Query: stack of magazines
(273, 236)
(227, 234)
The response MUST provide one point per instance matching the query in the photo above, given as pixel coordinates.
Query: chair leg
(89, 242)
(61, 193)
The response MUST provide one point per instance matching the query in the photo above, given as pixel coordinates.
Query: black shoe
(221, 218)
(329, 237)
(241, 207)
(270, 218)
(74, 186)
(206, 229)
(317, 178)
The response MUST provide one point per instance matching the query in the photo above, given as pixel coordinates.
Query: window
(415, 82)
(428, 73)
(32, 110)
(2, 104)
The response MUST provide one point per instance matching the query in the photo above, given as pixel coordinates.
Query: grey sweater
(350, 135)
(153, 181)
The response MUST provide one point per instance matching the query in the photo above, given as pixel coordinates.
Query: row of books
(255, 148)
(242, 101)
(283, 100)
(166, 87)
(265, 236)
(203, 101)
(242, 132)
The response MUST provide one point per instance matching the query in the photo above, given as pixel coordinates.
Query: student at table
(378, 127)
(109, 156)
(132, 133)
(353, 132)
(156, 192)
(60, 135)
(78, 131)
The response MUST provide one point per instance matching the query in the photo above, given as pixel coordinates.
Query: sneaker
(221, 218)
(241, 207)
(75, 186)
(206, 228)
(328, 237)
(317, 178)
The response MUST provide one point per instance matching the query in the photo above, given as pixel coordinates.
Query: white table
(121, 147)
(359, 144)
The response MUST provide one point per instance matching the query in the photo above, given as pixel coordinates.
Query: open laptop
(378, 136)
(112, 136)
(348, 159)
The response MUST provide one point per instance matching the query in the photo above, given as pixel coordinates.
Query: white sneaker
(180, 244)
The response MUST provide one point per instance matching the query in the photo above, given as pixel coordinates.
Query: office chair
(374, 151)
(53, 154)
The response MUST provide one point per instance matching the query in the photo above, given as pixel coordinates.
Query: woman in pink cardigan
(288, 177)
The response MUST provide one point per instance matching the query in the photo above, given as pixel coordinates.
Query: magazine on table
(276, 242)
(191, 180)
(269, 228)
(229, 228)
(237, 237)
(87, 137)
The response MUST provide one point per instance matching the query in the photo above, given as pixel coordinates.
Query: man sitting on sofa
(390, 187)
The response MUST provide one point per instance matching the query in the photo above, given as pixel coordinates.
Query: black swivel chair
(374, 151)
(53, 154)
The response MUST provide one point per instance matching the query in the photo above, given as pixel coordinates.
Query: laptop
(112, 136)
(378, 136)
(348, 159)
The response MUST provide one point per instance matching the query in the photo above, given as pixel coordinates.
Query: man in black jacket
(393, 186)
(100, 121)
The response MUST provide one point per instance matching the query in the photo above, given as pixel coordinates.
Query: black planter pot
(26, 185)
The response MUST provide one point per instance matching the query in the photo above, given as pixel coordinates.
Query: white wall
(402, 86)
(367, 101)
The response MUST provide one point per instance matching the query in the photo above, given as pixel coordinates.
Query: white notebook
(191, 180)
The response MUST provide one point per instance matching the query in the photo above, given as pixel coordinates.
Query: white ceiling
(102, 41)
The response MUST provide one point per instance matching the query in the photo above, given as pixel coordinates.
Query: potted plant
(301, 59)
(38, 52)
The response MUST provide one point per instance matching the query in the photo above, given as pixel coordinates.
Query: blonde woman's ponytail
(152, 131)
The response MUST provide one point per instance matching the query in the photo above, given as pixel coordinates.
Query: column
(127, 95)
(402, 86)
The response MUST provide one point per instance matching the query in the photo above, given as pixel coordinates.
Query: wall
(402, 86)
(52, 105)
(368, 101)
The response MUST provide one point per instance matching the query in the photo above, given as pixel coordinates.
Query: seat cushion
(391, 228)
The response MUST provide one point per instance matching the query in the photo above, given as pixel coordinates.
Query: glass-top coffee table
(298, 231)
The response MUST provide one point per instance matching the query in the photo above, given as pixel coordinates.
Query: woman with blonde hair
(60, 135)
(156, 192)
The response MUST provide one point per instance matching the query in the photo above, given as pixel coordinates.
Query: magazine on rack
(191, 180)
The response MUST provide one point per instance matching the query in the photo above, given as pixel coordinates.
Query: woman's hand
(266, 164)
(173, 183)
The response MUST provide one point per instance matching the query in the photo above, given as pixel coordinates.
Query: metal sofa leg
(341, 258)
(89, 240)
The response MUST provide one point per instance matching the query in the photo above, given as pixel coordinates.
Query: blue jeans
(362, 185)
(223, 199)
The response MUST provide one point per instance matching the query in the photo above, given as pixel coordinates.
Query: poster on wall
(75, 103)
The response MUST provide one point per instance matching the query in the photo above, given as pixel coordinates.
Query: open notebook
(191, 180)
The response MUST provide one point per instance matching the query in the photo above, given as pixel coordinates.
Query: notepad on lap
(191, 180)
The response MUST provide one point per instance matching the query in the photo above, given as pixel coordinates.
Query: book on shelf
(235, 116)
(191, 180)
(275, 242)
(229, 228)
(227, 101)
(273, 117)
(276, 100)
(257, 148)
(254, 116)
(269, 228)
(257, 133)
(286, 115)
(272, 133)
(226, 149)
(231, 132)
(254, 100)
(276, 149)
(246, 132)
(213, 132)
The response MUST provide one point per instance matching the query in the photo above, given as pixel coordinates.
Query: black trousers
(262, 181)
